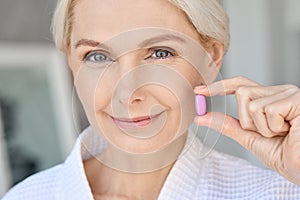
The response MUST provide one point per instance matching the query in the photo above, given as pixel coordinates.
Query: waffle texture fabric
(199, 173)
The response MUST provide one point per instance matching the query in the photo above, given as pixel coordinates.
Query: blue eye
(96, 57)
(161, 54)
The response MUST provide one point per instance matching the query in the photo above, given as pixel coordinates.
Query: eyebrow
(161, 38)
(157, 39)
(90, 43)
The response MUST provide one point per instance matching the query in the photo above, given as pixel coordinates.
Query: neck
(112, 183)
(140, 177)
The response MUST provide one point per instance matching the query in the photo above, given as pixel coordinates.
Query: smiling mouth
(136, 122)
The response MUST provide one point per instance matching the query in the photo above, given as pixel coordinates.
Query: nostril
(136, 100)
(137, 97)
(130, 101)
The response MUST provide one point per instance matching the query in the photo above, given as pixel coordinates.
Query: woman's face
(135, 64)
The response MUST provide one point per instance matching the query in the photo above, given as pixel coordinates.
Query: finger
(243, 98)
(293, 144)
(265, 149)
(263, 118)
(268, 150)
(276, 121)
(247, 110)
(290, 111)
(230, 86)
(285, 109)
(224, 87)
(230, 127)
(261, 124)
(255, 92)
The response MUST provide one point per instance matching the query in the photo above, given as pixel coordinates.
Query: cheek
(182, 107)
(92, 88)
(178, 95)
(164, 95)
(192, 75)
(103, 95)
(183, 91)
(106, 87)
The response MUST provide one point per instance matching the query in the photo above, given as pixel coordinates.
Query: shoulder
(38, 186)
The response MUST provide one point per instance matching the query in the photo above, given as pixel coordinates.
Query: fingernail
(200, 104)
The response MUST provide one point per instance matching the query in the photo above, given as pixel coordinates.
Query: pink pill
(200, 104)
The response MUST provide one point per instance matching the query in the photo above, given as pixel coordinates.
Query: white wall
(292, 45)
(249, 49)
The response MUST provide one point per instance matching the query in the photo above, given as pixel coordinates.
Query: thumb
(229, 126)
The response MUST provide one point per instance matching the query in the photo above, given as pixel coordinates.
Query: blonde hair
(207, 16)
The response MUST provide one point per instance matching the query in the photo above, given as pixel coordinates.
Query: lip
(136, 122)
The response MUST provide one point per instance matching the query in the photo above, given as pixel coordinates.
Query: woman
(137, 66)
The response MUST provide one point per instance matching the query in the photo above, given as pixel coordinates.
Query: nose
(128, 87)
(130, 98)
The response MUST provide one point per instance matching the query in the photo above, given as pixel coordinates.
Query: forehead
(101, 19)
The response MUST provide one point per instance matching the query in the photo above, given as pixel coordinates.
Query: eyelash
(87, 56)
(169, 51)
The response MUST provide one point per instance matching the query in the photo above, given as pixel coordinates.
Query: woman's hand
(268, 125)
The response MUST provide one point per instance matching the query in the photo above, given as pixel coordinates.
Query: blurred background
(40, 120)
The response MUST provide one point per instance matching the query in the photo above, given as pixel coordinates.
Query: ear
(216, 52)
